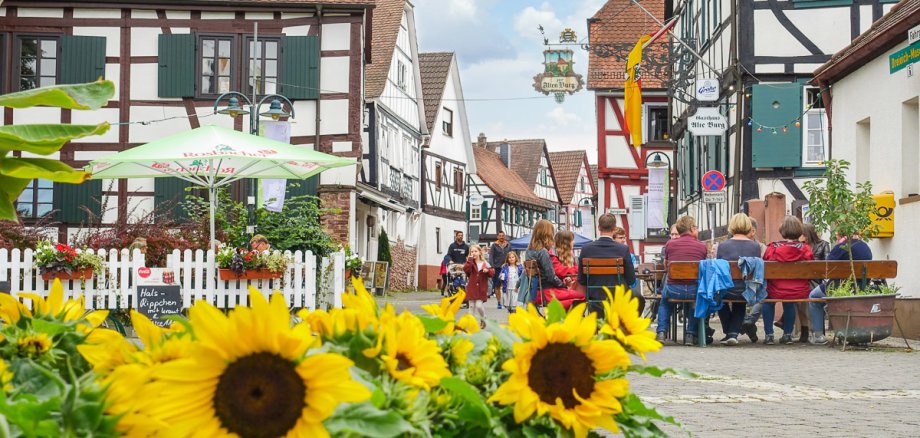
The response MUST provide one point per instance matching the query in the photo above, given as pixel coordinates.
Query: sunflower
(52, 307)
(34, 345)
(446, 311)
(6, 376)
(625, 324)
(407, 354)
(560, 369)
(249, 374)
(359, 312)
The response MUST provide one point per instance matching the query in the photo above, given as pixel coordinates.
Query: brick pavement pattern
(779, 390)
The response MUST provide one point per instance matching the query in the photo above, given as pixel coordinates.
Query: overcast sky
(500, 50)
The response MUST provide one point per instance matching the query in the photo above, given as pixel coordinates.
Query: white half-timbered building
(767, 98)
(389, 185)
(577, 191)
(169, 61)
(446, 160)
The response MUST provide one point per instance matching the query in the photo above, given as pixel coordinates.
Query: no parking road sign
(713, 181)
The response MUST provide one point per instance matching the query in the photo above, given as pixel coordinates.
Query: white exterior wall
(587, 219)
(429, 253)
(889, 103)
(548, 191)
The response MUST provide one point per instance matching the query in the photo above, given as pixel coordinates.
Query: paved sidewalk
(779, 390)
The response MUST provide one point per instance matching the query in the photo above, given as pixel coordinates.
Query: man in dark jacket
(459, 250)
(498, 252)
(605, 248)
(860, 251)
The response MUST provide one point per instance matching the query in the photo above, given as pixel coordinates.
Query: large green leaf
(31, 168)
(366, 420)
(554, 311)
(433, 325)
(72, 96)
(10, 188)
(474, 409)
(44, 139)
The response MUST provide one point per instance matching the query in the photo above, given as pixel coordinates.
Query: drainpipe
(319, 73)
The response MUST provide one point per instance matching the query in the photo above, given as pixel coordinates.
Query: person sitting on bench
(541, 241)
(685, 248)
(860, 251)
(605, 247)
(788, 250)
(740, 245)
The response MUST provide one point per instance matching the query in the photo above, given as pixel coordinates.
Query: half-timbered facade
(509, 203)
(169, 61)
(389, 188)
(764, 94)
(577, 191)
(529, 158)
(445, 161)
(621, 165)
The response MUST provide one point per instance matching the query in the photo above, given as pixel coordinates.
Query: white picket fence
(196, 271)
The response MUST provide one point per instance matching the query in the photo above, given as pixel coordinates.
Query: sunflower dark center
(402, 362)
(260, 395)
(557, 369)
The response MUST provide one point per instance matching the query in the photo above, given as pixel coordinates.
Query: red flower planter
(256, 274)
(79, 274)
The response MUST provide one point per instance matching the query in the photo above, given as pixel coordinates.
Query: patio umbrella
(523, 241)
(213, 156)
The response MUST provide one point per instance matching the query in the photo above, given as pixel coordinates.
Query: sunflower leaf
(555, 312)
(636, 419)
(433, 325)
(474, 409)
(658, 372)
(365, 420)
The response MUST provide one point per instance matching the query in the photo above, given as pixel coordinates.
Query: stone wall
(336, 224)
(402, 271)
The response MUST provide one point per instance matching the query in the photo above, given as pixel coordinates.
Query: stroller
(456, 280)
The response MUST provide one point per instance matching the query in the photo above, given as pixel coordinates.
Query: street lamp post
(658, 163)
(234, 109)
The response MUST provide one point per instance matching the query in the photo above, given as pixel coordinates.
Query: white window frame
(447, 125)
(475, 213)
(822, 113)
(401, 71)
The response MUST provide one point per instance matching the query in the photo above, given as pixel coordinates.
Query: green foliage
(848, 288)
(45, 139)
(383, 248)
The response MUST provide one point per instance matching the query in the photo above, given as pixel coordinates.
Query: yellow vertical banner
(633, 92)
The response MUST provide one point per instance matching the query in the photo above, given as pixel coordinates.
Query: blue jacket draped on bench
(715, 277)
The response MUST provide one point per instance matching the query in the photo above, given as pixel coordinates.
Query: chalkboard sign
(159, 301)
(5, 287)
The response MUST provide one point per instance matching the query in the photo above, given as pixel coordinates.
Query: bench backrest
(811, 270)
(599, 266)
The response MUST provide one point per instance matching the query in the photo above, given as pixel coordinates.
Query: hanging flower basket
(79, 274)
(251, 274)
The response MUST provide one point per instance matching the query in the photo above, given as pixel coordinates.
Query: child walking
(478, 273)
(510, 276)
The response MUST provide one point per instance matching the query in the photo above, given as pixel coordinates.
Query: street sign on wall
(902, 58)
(713, 181)
(714, 197)
(616, 211)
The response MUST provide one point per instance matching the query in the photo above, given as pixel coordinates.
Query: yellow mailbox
(884, 214)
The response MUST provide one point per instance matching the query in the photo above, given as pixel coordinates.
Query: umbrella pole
(212, 193)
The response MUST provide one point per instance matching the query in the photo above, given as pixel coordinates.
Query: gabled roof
(614, 30)
(566, 168)
(593, 172)
(525, 157)
(884, 34)
(434, 68)
(502, 182)
(387, 18)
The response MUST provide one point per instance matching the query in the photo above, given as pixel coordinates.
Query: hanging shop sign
(707, 121)
(707, 90)
(558, 75)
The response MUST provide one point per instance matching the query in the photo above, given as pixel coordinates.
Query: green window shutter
(577, 218)
(82, 59)
(171, 191)
(485, 211)
(300, 67)
(177, 62)
(306, 187)
(774, 106)
(467, 211)
(72, 200)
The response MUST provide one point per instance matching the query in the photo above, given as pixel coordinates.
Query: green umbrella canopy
(213, 155)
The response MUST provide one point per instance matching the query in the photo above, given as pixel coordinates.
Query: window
(458, 181)
(38, 61)
(262, 60)
(814, 129)
(36, 200)
(657, 123)
(438, 176)
(447, 125)
(401, 74)
(395, 179)
(437, 239)
(475, 213)
(581, 183)
(216, 64)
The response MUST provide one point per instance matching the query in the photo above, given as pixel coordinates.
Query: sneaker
(690, 339)
(724, 341)
(732, 340)
(786, 340)
(819, 340)
(768, 340)
(803, 337)
(751, 331)
(661, 337)
(499, 306)
(511, 309)
(482, 324)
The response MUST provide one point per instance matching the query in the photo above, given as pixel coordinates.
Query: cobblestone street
(761, 390)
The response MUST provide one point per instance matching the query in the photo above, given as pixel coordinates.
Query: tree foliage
(383, 247)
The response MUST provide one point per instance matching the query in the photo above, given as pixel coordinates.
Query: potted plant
(861, 315)
(64, 262)
(353, 263)
(242, 264)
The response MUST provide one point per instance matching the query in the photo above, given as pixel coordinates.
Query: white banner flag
(657, 215)
(273, 190)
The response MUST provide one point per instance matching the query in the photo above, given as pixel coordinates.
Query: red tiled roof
(525, 157)
(884, 34)
(433, 68)
(387, 18)
(566, 168)
(617, 26)
(509, 185)
(593, 173)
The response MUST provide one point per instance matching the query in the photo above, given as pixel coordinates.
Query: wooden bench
(600, 266)
(810, 270)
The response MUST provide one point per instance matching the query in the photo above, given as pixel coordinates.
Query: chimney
(504, 151)
(481, 140)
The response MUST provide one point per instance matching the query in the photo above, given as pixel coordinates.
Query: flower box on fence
(79, 274)
(250, 274)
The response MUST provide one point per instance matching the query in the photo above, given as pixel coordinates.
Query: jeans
(732, 314)
(769, 311)
(817, 311)
(665, 308)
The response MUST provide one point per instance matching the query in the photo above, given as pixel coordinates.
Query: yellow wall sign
(884, 215)
(904, 57)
